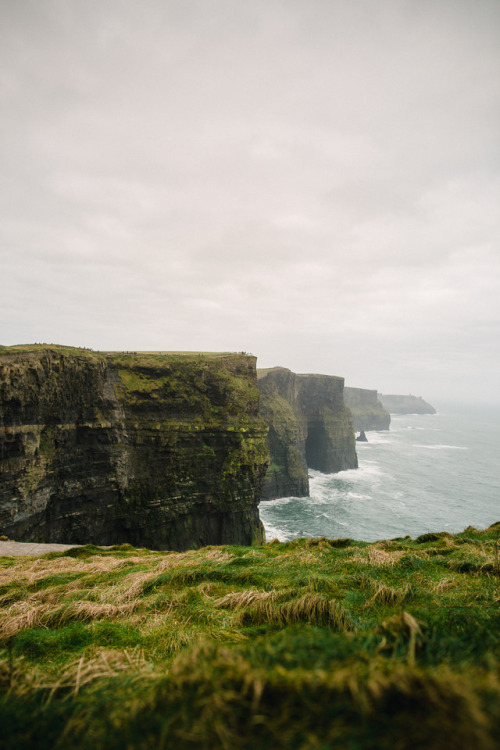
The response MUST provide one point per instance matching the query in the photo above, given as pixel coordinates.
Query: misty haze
(249, 374)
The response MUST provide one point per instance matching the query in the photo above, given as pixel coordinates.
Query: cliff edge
(406, 404)
(161, 450)
(367, 410)
(309, 426)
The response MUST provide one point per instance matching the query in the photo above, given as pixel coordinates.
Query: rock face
(367, 411)
(279, 407)
(160, 450)
(309, 426)
(406, 404)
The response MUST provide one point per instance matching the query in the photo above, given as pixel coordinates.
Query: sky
(316, 182)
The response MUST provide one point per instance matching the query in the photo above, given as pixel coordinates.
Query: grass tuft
(304, 645)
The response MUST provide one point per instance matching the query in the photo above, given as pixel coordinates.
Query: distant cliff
(279, 407)
(367, 410)
(160, 450)
(309, 426)
(406, 404)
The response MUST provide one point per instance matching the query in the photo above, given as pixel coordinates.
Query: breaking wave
(411, 480)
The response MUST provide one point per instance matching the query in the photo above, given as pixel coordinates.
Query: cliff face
(330, 443)
(165, 451)
(279, 407)
(309, 426)
(366, 409)
(406, 404)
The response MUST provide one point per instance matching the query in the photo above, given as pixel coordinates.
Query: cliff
(160, 450)
(279, 407)
(309, 426)
(406, 404)
(366, 409)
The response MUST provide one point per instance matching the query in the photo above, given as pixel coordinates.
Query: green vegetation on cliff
(287, 472)
(164, 449)
(310, 644)
(366, 409)
(309, 426)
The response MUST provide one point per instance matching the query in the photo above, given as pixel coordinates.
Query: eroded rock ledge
(309, 426)
(164, 450)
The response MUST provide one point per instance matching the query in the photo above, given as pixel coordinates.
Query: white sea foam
(358, 496)
(273, 532)
(276, 502)
(368, 468)
(320, 497)
(402, 488)
(376, 438)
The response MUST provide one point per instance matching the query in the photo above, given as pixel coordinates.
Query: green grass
(61, 348)
(310, 644)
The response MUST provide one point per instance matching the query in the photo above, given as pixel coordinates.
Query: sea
(427, 473)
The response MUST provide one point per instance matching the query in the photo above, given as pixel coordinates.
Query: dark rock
(367, 410)
(164, 451)
(309, 426)
(362, 437)
(279, 406)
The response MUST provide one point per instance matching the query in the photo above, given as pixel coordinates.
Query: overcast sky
(316, 182)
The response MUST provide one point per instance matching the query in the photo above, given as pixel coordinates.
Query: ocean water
(438, 472)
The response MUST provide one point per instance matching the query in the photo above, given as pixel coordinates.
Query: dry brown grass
(312, 608)
(29, 572)
(401, 627)
(381, 558)
(106, 664)
(389, 596)
(28, 614)
(219, 555)
(443, 585)
(242, 599)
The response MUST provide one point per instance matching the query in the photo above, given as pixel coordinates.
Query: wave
(376, 438)
(277, 502)
(275, 532)
(443, 447)
(401, 487)
(368, 468)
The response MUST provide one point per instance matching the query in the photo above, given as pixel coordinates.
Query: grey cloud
(316, 182)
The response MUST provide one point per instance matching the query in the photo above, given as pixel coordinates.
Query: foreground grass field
(310, 644)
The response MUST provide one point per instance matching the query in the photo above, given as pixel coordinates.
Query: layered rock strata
(166, 451)
(406, 404)
(366, 409)
(280, 408)
(309, 426)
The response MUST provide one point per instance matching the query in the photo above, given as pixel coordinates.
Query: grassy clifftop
(314, 643)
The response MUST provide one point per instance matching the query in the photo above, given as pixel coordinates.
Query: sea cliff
(406, 404)
(309, 426)
(160, 450)
(366, 409)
